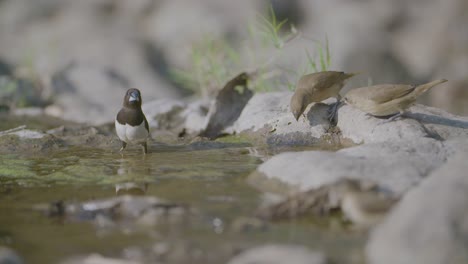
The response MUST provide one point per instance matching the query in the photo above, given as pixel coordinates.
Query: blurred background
(75, 59)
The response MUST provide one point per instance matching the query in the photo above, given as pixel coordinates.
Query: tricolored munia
(131, 124)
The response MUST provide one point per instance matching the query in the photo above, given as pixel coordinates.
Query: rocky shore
(419, 159)
(65, 65)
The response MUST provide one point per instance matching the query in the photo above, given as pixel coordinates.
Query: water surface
(209, 177)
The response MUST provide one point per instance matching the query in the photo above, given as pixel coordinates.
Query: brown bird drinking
(316, 87)
(387, 99)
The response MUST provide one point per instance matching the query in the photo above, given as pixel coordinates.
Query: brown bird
(316, 87)
(387, 99)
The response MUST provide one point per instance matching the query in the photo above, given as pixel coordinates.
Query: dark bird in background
(130, 124)
(316, 87)
(387, 99)
(228, 105)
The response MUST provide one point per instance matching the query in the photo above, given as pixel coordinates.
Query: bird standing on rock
(130, 124)
(316, 87)
(387, 99)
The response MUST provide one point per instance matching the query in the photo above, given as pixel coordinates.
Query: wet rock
(195, 116)
(178, 121)
(393, 165)
(98, 259)
(248, 224)
(315, 202)
(97, 137)
(421, 121)
(28, 134)
(164, 114)
(279, 254)
(267, 115)
(361, 202)
(74, 90)
(188, 251)
(430, 224)
(179, 117)
(126, 210)
(8, 256)
(29, 142)
(131, 188)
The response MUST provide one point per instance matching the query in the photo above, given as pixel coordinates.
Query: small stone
(8, 256)
(430, 224)
(279, 254)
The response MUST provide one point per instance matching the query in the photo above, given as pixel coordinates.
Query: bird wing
(386, 92)
(321, 80)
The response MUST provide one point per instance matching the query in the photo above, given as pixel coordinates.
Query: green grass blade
(323, 65)
(328, 52)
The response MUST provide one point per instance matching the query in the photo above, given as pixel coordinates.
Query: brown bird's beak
(297, 117)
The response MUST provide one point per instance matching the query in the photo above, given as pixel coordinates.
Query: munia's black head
(132, 98)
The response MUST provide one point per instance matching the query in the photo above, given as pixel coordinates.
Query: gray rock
(268, 114)
(195, 116)
(23, 133)
(177, 116)
(98, 259)
(421, 121)
(440, 123)
(162, 114)
(124, 211)
(101, 37)
(279, 254)
(8, 256)
(28, 134)
(430, 224)
(393, 165)
(92, 94)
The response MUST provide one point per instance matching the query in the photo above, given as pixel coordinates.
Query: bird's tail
(424, 87)
(351, 74)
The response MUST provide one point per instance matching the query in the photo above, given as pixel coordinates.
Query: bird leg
(334, 109)
(124, 145)
(395, 117)
(392, 118)
(145, 147)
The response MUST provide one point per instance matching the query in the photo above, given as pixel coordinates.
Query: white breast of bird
(131, 134)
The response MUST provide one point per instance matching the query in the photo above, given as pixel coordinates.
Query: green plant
(214, 61)
(324, 57)
(271, 29)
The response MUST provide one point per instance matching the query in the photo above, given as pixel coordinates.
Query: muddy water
(208, 177)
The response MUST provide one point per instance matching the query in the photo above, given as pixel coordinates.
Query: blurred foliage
(21, 85)
(19, 92)
(214, 61)
(323, 64)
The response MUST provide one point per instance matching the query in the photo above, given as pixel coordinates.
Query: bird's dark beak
(133, 97)
(297, 117)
